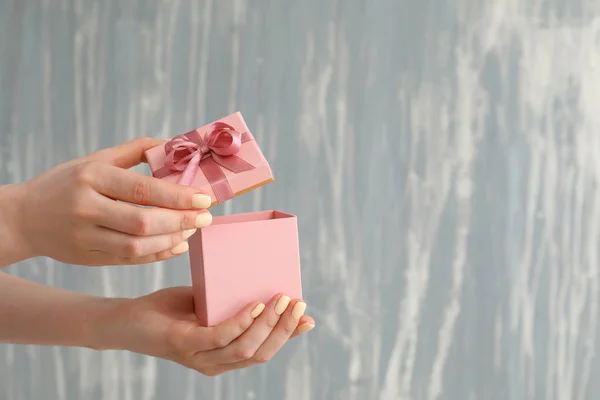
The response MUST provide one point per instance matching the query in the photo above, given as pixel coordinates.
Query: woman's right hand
(87, 211)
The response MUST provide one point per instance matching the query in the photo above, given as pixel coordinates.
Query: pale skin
(87, 212)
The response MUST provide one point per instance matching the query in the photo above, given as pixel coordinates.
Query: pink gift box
(237, 182)
(244, 258)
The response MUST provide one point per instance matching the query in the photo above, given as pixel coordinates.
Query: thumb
(128, 154)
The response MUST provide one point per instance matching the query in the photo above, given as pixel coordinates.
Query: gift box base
(243, 258)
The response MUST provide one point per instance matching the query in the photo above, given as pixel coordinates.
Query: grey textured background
(442, 156)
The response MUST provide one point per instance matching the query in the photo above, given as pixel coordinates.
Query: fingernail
(201, 201)
(298, 310)
(203, 220)
(180, 248)
(188, 233)
(282, 304)
(257, 310)
(305, 327)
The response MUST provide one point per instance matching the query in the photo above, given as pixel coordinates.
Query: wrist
(106, 326)
(14, 245)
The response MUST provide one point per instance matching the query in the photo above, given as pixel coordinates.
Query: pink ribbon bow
(218, 148)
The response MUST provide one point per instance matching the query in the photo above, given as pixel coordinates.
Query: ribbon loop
(191, 152)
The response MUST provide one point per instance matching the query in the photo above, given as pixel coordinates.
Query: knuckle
(84, 173)
(79, 208)
(142, 191)
(244, 353)
(79, 212)
(219, 340)
(142, 223)
(262, 357)
(271, 323)
(243, 325)
(289, 327)
(133, 248)
(188, 220)
(180, 199)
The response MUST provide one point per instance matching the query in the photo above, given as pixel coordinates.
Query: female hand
(87, 212)
(163, 325)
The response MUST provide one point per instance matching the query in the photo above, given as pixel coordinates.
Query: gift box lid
(201, 158)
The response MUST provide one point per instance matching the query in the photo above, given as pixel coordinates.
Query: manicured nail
(201, 201)
(180, 248)
(203, 220)
(282, 304)
(298, 310)
(305, 327)
(257, 310)
(188, 233)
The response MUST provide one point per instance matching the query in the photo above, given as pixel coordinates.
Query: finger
(245, 346)
(135, 247)
(128, 154)
(279, 336)
(202, 339)
(132, 187)
(101, 258)
(306, 324)
(134, 220)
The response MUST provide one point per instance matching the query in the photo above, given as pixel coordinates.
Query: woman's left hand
(163, 324)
